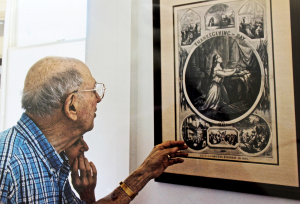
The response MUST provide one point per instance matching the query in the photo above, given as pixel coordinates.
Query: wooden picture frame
(188, 37)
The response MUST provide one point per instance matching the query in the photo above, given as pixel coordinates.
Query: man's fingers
(173, 153)
(74, 173)
(94, 170)
(75, 165)
(82, 167)
(169, 151)
(180, 154)
(166, 152)
(88, 174)
(183, 147)
(171, 143)
(175, 161)
(88, 168)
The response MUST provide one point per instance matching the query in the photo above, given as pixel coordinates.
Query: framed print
(224, 84)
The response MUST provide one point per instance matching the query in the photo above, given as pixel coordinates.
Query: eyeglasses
(99, 88)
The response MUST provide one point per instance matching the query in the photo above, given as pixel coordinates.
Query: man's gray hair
(42, 101)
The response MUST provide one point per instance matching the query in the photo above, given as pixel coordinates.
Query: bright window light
(44, 21)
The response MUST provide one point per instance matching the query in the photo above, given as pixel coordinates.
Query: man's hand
(88, 175)
(164, 155)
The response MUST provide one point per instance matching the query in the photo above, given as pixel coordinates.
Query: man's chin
(91, 128)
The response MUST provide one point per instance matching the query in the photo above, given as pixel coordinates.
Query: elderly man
(60, 99)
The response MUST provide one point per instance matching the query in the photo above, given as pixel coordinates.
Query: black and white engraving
(254, 135)
(251, 17)
(219, 16)
(223, 137)
(190, 27)
(194, 132)
(230, 78)
(224, 81)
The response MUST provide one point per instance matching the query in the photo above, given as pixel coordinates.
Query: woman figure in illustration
(217, 95)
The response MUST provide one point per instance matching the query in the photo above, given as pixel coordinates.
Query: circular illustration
(254, 135)
(194, 132)
(223, 79)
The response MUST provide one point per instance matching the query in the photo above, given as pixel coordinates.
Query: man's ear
(70, 107)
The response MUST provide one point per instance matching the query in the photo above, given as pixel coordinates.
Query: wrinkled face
(76, 149)
(88, 104)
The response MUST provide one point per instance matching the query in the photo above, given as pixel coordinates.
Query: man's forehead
(88, 82)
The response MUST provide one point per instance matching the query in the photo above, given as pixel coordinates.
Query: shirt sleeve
(7, 187)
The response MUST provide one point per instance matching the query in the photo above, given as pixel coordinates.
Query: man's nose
(98, 97)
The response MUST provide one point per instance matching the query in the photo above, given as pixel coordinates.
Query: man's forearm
(136, 181)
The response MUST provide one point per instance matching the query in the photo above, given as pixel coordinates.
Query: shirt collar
(40, 144)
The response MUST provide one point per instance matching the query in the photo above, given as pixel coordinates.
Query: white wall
(108, 56)
(39, 22)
